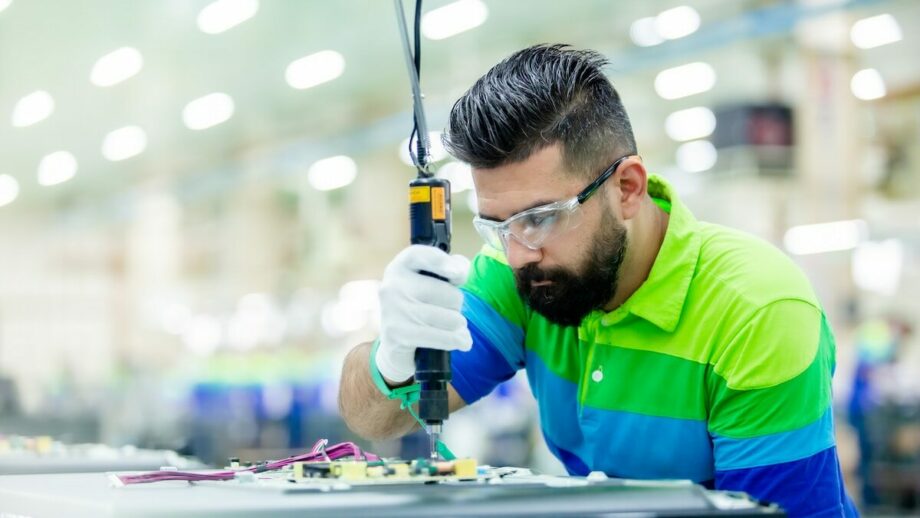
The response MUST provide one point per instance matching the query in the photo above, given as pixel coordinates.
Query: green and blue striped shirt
(717, 369)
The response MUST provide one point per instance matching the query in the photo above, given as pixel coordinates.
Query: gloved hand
(420, 311)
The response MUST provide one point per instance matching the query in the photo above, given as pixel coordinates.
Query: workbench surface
(92, 494)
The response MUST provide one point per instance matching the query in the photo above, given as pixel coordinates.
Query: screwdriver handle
(429, 223)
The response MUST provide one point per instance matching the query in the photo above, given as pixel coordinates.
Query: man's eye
(536, 220)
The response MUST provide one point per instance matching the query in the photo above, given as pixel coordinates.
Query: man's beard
(571, 296)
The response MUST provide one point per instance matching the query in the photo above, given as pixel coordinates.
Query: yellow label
(438, 205)
(419, 194)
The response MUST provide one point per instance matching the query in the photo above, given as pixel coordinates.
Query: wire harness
(319, 452)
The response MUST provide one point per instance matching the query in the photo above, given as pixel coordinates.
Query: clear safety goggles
(535, 227)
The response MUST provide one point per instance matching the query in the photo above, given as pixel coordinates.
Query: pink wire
(318, 453)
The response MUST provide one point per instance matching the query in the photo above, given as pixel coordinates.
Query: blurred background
(198, 197)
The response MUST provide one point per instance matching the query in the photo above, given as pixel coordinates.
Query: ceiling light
(33, 108)
(207, 111)
(459, 175)
(4, 4)
(696, 156)
(875, 31)
(363, 295)
(685, 80)
(116, 66)
(174, 318)
(867, 84)
(223, 15)
(332, 173)
(203, 335)
(315, 69)
(355, 308)
(690, 124)
(677, 22)
(644, 33)
(877, 266)
(454, 18)
(9, 189)
(338, 319)
(825, 237)
(257, 320)
(57, 167)
(124, 143)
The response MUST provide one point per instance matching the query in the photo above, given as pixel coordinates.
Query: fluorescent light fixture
(459, 175)
(116, 66)
(57, 167)
(876, 31)
(436, 149)
(203, 335)
(339, 319)
(677, 22)
(685, 80)
(454, 18)
(357, 306)
(877, 266)
(363, 295)
(690, 124)
(223, 15)
(4, 4)
(868, 85)
(32, 109)
(207, 111)
(174, 318)
(257, 320)
(124, 143)
(696, 156)
(315, 69)
(9, 189)
(825, 237)
(332, 173)
(644, 32)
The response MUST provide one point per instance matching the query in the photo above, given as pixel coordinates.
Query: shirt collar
(660, 299)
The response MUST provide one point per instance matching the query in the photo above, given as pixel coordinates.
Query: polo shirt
(717, 369)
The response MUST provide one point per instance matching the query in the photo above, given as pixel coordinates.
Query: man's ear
(631, 181)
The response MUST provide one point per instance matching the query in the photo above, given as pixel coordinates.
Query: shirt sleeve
(495, 315)
(770, 412)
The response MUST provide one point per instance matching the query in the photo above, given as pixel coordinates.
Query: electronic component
(385, 471)
(343, 462)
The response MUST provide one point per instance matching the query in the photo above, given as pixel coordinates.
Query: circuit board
(387, 470)
(341, 463)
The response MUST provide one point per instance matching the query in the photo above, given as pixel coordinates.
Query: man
(657, 346)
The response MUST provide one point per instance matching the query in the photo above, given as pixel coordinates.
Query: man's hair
(537, 97)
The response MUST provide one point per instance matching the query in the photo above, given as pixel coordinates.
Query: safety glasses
(535, 227)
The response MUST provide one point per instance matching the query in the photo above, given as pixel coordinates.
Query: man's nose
(519, 255)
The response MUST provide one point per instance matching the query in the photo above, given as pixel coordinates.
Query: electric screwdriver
(429, 219)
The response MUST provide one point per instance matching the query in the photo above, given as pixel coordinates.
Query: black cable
(418, 39)
(420, 159)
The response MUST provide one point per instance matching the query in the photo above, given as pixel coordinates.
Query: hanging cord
(420, 158)
(419, 144)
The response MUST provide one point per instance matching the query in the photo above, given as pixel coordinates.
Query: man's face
(572, 273)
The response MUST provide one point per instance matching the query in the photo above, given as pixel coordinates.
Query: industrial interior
(199, 200)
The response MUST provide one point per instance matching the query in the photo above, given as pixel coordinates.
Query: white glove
(420, 311)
